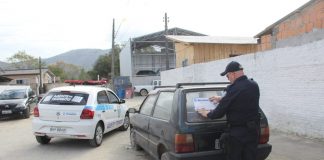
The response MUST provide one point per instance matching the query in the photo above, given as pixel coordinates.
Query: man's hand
(203, 112)
(215, 99)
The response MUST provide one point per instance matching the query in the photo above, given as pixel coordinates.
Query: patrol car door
(106, 109)
(114, 102)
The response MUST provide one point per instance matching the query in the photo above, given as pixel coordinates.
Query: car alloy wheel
(143, 92)
(97, 139)
(125, 125)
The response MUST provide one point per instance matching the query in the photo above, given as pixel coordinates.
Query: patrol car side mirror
(121, 101)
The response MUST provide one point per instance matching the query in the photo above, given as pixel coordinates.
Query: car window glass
(163, 105)
(192, 115)
(65, 98)
(148, 104)
(30, 92)
(13, 94)
(112, 97)
(102, 97)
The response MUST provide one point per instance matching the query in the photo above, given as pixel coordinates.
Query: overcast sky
(50, 27)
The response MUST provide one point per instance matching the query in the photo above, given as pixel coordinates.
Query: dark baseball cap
(232, 67)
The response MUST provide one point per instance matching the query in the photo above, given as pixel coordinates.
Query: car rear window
(192, 96)
(65, 98)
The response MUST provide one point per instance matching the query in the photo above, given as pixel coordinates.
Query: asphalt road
(18, 143)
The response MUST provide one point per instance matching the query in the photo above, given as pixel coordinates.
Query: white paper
(77, 99)
(200, 103)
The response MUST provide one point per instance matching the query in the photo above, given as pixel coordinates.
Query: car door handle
(115, 110)
(103, 111)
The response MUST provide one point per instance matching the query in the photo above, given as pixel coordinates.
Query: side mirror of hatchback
(132, 110)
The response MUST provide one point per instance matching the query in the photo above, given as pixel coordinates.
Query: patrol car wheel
(125, 125)
(143, 92)
(134, 145)
(165, 156)
(97, 139)
(43, 139)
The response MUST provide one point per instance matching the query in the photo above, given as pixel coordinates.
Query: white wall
(125, 58)
(291, 82)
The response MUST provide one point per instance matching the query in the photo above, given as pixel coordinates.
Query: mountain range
(85, 58)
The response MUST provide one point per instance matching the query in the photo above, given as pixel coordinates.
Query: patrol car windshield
(13, 94)
(199, 99)
(65, 98)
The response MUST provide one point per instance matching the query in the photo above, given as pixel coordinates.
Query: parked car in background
(79, 112)
(17, 101)
(143, 90)
(146, 73)
(167, 126)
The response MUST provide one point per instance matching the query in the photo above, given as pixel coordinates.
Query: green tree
(102, 66)
(65, 71)
(57, 71)
(84, 75)
(21, 60)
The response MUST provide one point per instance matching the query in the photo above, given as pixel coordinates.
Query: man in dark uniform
(241, 107)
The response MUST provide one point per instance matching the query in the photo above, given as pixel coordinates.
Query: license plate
(6, 112)
(57, 129)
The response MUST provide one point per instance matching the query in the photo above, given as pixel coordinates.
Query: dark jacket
(241, 106)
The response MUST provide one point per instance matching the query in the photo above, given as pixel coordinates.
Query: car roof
(81, 88)
(188, 86)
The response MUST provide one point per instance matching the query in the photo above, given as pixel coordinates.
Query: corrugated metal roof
(214, 39)
(23, 72)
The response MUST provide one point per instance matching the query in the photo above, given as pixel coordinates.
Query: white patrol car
(80, 112)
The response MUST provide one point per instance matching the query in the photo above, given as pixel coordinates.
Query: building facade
(199, 49)
(304, 25)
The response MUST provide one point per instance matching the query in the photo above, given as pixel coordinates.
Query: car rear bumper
(263, 152)
(77, 130)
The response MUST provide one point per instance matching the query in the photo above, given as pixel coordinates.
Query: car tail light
(87, 113)
(264, 135)
(36, 112)
(184, 143)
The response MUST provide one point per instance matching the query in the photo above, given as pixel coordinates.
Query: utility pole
(40, 76)
(166, 20)
(113, 51)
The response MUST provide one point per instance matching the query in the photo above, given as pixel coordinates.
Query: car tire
(165, 156)
(98, 135)
(143, 92)
(134, 145)
(125, 125)
(26, 113)
(43, 139)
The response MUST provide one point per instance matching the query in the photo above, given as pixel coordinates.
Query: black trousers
(238, 150)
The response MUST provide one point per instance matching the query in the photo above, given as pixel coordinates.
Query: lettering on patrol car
(104, 107)
(69, 113)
